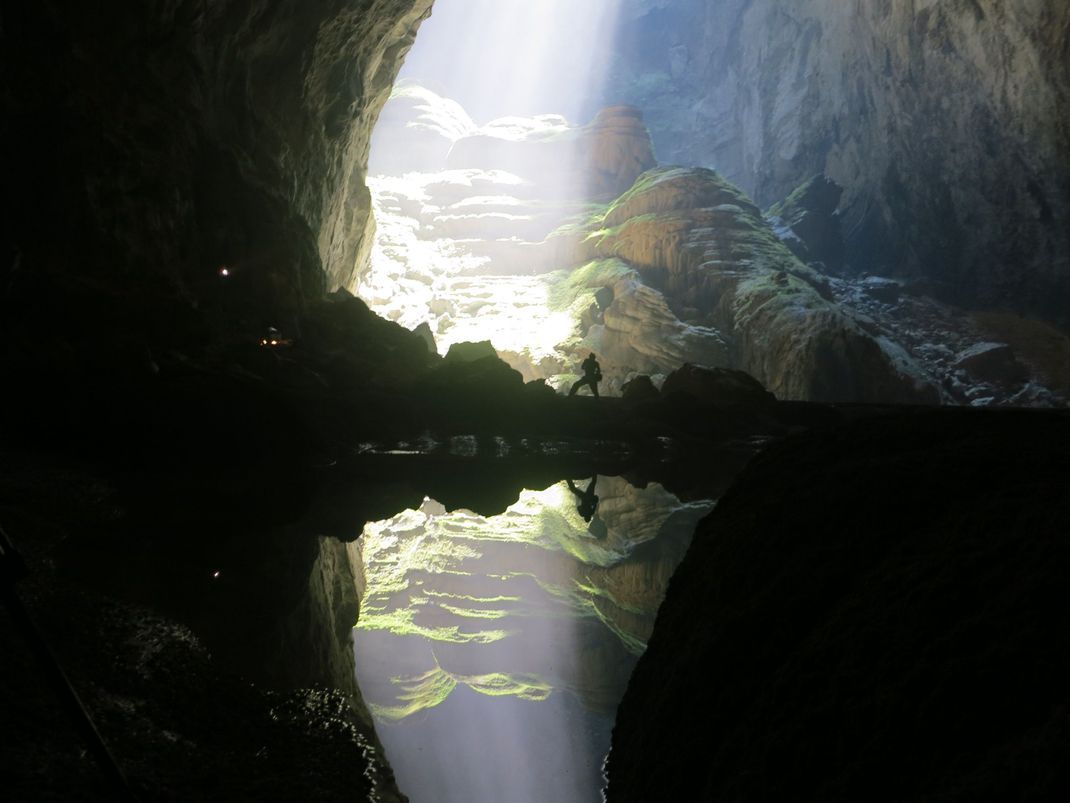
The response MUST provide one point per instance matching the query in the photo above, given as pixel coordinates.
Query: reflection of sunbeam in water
(493, 651)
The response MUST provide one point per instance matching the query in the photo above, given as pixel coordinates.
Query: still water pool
(493, 651)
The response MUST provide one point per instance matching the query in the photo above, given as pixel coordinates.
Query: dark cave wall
(159, 141)
(945, 121)
(147, 146)
(873, 612)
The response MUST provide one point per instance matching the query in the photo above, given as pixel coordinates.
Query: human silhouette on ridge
(592, 375)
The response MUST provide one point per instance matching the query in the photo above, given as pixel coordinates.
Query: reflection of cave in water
(493, 651)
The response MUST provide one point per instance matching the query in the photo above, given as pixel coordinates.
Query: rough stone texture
(944, 121)
(717, 385)
(115, 601)
(638, 332)
(145, 149)
(809, 223)
(176, 137)
(872, 613)
(992, 362)
(638, 389)
(704, 245)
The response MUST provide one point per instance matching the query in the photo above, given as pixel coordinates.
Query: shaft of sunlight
(516, 57)
(482, 152)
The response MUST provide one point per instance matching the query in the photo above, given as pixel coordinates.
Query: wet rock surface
(873, 612)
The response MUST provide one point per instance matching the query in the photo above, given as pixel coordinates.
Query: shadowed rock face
(147, 149)
(942, 121)
(872, 613)
(811, 222)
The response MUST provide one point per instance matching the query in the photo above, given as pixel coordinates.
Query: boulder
(992, 362)
(641, 388)
(537, 388)
(350, 344)
(717, 385)
(470, 352)
(423, 331)
(887, 291)
(618, 151)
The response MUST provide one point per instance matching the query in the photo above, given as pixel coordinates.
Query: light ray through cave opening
(516, 57)
(483, 152)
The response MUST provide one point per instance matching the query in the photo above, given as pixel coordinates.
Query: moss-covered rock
(702, 244)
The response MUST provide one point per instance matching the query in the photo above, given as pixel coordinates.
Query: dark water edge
(192, 629)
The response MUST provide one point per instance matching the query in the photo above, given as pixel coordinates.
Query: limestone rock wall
(151, 147)
(944, 121)
(704, 245)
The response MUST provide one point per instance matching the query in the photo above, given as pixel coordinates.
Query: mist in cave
(500, 58)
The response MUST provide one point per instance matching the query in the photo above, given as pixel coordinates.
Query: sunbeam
(492, 145)
(516, 57)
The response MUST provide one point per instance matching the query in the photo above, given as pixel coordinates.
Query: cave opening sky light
(497, 59)
(504, 57)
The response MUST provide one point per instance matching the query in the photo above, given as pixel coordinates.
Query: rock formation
(680, 268)
(808, 221)
(235, 136)
(942, 122)
(871, 613)
(704, 245)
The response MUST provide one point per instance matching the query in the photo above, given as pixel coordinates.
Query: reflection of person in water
(588, 500)
(592, 375)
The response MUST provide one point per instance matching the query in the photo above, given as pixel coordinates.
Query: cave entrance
(486, 153)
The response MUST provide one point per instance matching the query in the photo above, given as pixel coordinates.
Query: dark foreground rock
(180, 719)
(718, 386)
(875, 612)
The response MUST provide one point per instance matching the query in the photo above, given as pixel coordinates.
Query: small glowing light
(215, 575)
(274, 342)
(224, 272)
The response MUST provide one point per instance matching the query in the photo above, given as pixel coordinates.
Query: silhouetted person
(588, 500)
(592, 375)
